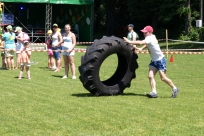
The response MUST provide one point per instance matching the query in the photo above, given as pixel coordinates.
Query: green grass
(50, 106)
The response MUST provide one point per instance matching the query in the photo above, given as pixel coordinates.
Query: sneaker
(74, 77)
(29, 78)
(152, 95)
(174, 92)
(54, 67)
(65, 76)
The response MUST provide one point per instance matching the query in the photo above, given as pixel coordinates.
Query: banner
(75, 2)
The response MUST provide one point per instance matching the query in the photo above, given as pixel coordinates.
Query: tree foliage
(178, 16)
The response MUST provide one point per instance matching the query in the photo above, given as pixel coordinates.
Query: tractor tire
(93, 59)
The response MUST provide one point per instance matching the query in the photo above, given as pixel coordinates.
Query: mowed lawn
(47, 105)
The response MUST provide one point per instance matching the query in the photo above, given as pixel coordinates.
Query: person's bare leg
(66, 65)
(4, 61)
(28, 72)
(21, 72)
(12, 63)
(58, 65)
(72, 66)
(166, 79)
(49, 61)
(52, 61)
(152, 72)
(18, 58)
(8, 62)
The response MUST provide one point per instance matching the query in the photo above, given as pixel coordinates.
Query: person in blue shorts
(158, 62)
(56, 45)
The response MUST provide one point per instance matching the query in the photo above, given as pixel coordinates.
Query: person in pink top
(25, 59)
(51, 62)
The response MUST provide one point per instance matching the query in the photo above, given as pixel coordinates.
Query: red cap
(147, 29)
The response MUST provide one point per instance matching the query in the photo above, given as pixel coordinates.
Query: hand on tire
(139, 49)
(125, 39)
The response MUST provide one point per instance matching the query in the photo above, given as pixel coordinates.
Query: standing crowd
(58, 45)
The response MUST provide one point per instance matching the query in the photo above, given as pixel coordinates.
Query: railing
(38, 35)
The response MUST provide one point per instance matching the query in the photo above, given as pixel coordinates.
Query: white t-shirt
(153, 47)
(55, 39)
(19, 43)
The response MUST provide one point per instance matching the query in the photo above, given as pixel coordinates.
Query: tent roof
(77, 2)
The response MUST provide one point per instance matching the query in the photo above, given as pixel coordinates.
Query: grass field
(47, 105)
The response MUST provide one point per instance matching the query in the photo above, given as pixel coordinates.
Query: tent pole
(48, 18)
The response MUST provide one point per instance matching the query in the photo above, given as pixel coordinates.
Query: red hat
(147, 29)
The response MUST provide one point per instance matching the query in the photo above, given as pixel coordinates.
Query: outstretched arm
(134, 42)
(143, 47)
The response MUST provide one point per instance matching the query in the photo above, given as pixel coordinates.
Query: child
(2, 53)
(157, 63)
(25, 59)
(51, 62)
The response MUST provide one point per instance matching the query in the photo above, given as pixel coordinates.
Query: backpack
(26, 37)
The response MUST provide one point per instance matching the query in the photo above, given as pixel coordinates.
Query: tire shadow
(91, 95)
(83, 95)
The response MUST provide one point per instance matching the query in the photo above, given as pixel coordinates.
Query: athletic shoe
(152, 95)
(74, 77)
(54, 67)
(174, 92)
(65, 76)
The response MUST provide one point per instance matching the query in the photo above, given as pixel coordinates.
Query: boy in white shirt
(158, 62)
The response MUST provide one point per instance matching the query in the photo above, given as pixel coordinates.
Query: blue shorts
(160, 64)
(56, 54)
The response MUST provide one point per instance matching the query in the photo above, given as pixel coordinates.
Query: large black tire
(94, 57)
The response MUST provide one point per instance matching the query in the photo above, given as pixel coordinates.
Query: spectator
(9, 41)
(25, 59)
(132, 35)
(51, 62)
(3, 66)
(69, 42)
(56, 42)
(19, 46)
(61, 49)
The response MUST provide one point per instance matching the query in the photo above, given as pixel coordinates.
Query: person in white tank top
(158, 62)
(56, 43)
(69, 42)
(19, 46)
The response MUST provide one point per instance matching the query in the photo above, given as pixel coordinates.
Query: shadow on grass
(17, 77)
(91, 95)
(58, 76)
(133, 94)
(45, 68)
(83, 95)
